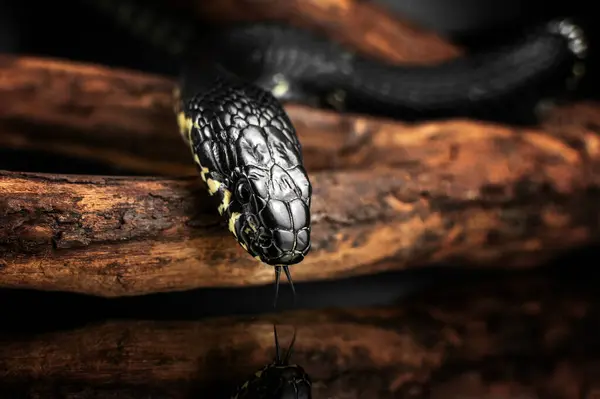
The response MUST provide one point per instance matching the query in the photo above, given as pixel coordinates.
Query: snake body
(246, 147)
(301, 66)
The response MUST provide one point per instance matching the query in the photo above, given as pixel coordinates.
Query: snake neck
(220, 188)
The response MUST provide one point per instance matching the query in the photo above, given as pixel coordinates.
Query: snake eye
(243, 193)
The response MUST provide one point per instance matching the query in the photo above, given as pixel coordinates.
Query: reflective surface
(472, 335)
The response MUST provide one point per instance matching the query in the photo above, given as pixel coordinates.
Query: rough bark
(525, 338)
(479, 194)
(367, 27)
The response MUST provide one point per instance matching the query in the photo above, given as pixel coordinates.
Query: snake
(250, 158)
(235, 79)
(279, 379)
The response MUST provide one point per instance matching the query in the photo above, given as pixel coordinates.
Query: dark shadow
(48, 162)
(30, 316)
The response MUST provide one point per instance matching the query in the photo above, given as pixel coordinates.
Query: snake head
(274, 222)
(279, 379)
(286, 382)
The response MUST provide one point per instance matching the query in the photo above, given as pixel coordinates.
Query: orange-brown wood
(362, 25)
(387, 195)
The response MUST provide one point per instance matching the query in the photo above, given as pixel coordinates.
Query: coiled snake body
(246, 147)
(298, 65)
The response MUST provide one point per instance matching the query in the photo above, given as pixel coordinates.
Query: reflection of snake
(245, 145)
(277, 380)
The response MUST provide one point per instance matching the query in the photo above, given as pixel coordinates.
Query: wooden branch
(479, 194)
(92, 112)
(126, 119)
(525, 338)
(367, 27)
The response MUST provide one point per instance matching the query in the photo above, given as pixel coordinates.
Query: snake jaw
(266, 247)
(274, 222)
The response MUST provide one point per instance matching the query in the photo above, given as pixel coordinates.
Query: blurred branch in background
(524, 337)
(387, 195)
(364, 26)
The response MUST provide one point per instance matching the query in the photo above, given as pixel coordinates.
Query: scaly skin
(249, 156)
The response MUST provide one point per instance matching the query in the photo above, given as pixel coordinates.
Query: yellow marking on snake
(226, 201)
(282, 86)
(232, 221)
(185, 126)
(249, 230)
(252, 228)
(213, 186)
(280, 89)
(204, 171)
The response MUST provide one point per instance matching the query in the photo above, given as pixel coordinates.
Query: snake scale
(234, 79)
(228, 107)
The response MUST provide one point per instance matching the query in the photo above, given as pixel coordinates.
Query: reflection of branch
(365, 26)
(520, 336)
(480, 194)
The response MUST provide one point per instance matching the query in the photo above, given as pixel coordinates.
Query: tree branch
(367, 27)
(525, 337)
(457, 191)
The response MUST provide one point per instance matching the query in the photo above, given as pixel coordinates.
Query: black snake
(279, 379)
(245, 146)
